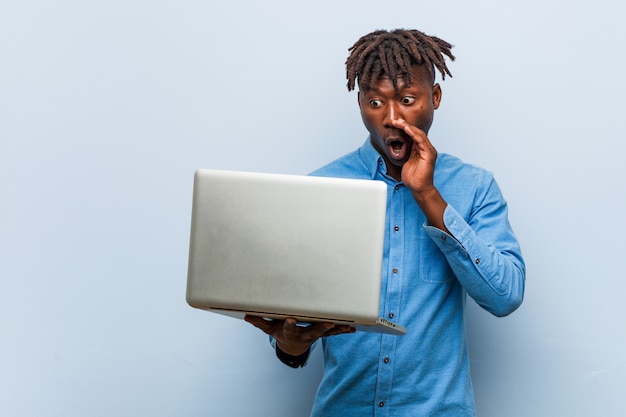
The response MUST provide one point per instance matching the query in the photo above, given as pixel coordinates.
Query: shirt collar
(373, 160)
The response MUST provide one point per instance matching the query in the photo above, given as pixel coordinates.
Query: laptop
(278, 246)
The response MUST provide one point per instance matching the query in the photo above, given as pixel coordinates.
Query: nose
(392, 113)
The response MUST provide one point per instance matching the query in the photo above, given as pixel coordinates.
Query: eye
(408, 100)
(376, 103)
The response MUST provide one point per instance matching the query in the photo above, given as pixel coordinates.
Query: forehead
(420, 77)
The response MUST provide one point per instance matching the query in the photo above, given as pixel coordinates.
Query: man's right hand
(295, 340)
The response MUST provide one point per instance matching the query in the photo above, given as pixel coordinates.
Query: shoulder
(465, 186)
(452, 168)
(350, 165)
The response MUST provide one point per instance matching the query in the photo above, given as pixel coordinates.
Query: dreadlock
(394, 53)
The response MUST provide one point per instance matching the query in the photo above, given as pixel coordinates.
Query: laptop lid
(276, 246)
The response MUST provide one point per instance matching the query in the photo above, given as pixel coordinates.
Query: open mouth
(397, 148)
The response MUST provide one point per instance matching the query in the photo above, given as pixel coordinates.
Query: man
(447, 236)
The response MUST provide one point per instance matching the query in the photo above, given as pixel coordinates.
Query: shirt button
(391, 315)
(443, 237)
(397, 187)
(396, 228)
(386, 360)
(395, 270)
(381, 404)
(477, 261)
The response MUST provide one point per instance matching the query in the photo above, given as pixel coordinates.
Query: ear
(436, 96)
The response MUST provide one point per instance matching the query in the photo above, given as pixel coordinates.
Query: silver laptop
(277, 246)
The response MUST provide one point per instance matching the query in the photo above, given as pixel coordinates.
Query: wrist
(432, 205)
(426, 194)
(290, 350)
(293, 361)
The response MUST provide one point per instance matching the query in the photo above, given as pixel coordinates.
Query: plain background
(108, 107)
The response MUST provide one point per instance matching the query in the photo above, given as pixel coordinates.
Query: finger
(259, 322)
(289, 324)
(413, 131)
(399, 123)
(422, 147)
(339, 330)
(316, 331)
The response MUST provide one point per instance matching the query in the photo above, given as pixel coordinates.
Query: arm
(482, 251)
(484, 254)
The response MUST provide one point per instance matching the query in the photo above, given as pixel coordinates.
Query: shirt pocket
(433, 265)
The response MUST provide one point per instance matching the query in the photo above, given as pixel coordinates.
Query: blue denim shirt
(426, 276)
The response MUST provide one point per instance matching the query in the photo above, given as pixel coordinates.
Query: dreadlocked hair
(393, 54)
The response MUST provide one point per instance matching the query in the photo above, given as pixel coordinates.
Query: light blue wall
(107, 108)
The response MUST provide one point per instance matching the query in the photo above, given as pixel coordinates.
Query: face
(415, 104)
